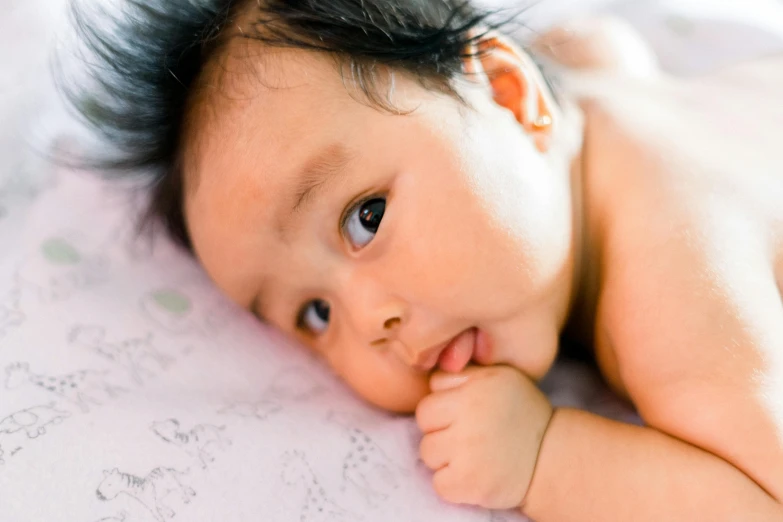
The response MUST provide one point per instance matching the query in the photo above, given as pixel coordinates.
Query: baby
(394, 183)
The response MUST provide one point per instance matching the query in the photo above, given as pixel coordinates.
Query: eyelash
(300, 318)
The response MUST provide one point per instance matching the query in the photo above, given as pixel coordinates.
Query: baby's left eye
(364, 221)
(314, 317)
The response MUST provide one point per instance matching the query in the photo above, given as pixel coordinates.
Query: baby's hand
(482, 433)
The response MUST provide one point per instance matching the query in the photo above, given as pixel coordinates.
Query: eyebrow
(320, 171)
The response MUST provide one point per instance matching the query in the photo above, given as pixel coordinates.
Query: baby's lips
(482, 353)
(458, 354)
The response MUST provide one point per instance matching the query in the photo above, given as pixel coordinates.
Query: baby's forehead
(256, 98)
(255, 93)
(248, 75)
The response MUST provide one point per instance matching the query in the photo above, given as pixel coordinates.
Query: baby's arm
(483, 432)
(694, 319)
(636, 473)
(712, 456)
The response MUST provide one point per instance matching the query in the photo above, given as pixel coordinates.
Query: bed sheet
(131, 391)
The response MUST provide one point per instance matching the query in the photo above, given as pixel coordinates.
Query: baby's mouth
(458, 353)
(455, 355)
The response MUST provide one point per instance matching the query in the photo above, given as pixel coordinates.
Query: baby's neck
(579, 326)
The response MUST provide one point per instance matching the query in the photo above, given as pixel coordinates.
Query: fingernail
(441, 382)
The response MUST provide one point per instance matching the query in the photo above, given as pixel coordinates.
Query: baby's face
(375, 238)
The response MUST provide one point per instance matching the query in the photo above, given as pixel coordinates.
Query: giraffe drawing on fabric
(80, 388)
(151, 491)
(317, 505)
(139, 356)
(366, 467)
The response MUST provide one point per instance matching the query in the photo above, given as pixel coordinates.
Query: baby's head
(374, 177)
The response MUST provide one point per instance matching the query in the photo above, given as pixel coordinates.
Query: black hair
(146, 64)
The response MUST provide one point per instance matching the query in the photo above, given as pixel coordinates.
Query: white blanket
(131, 391)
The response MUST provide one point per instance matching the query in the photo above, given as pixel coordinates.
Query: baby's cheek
(398, 397)
(390, 387)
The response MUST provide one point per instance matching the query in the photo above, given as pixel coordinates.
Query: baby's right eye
(363, 222)
(314, 317)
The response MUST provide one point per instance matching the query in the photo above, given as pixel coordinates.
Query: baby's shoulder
(675, 179)
(690, 328)
(689, 239)
(689, 313)
(707, 139)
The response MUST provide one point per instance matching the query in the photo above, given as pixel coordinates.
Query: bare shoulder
(690, 322)
(707, 146)
(690, 319)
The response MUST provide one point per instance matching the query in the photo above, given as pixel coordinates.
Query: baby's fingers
(450, 486)
(436, 412)
(435, 450)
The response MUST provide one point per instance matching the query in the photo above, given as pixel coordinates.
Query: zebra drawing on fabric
(151, 491)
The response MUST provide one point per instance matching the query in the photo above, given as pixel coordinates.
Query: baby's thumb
(442, 381)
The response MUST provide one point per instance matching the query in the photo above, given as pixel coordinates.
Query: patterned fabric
(131, 391)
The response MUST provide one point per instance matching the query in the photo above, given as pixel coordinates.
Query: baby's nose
(374, 311)
(382, 329)
(391, 323)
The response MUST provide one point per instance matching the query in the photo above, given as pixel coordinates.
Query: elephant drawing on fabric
(33, 421)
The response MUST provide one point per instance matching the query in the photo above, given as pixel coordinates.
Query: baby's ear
(516, 83)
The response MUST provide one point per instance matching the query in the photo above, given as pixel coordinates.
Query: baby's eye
(363, 222)
(314, 317)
